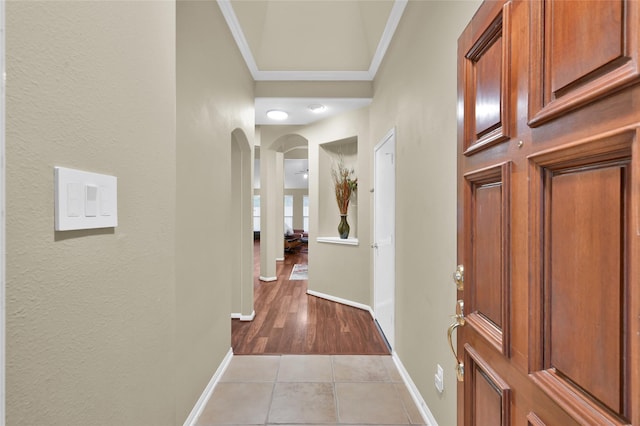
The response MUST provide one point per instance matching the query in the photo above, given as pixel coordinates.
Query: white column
(279, 194)
(267, 214)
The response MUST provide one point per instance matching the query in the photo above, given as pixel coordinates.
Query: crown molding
(238, 35)
(389, 30)
(312, 76)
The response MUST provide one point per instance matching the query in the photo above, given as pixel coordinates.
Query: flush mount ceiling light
(277, 114)
(317, 108)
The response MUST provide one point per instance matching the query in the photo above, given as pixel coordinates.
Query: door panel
(489, 213)
(486, 86)
(488, 236)
(581, 51)
(575, 51)
(487, 70)
(488, 395)
(534, 420)
(549, 213)
(488, 404)
(585, 314)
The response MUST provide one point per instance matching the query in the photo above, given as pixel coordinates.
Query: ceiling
(311, 41)
(299, 109)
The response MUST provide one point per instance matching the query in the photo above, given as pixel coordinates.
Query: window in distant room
(256, 213)
(288, 210)
(305, 213)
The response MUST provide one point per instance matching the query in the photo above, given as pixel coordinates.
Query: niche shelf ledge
(338, 240)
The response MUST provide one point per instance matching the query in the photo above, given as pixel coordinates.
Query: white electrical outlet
(439, 379)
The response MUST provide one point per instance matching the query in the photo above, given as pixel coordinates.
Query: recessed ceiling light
(317, 108)
(276, 114)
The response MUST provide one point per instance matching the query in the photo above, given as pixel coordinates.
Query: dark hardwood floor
(289, 321)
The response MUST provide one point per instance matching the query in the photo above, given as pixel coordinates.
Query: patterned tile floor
(310, 389)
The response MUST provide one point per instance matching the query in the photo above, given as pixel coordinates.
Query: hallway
(289, 321)
(307, 360)
(310, 389)
(128, 325)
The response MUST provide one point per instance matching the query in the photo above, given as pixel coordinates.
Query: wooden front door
(549, 214)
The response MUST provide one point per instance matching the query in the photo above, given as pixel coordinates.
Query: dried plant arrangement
(345, 183)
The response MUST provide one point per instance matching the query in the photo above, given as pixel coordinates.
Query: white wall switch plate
(85, 200)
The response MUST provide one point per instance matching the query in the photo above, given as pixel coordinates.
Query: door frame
(391, 135)
(242, 222)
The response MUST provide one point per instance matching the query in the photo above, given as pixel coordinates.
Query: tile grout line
(335, 390)
(273, 390)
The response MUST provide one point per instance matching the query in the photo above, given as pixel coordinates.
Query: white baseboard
(268, 279)
(241, 317)
(279, 259)
(423, 408)
(208, 391)
(249, 317)
(342, 301)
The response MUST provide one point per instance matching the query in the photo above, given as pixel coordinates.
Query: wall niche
(330, 154)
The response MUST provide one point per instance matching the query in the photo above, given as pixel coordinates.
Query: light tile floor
(310, 389)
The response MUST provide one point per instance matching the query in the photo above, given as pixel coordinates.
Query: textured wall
(214, 97)
(90, 314)
(415, 91)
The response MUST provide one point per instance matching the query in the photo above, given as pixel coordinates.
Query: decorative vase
(343, 227)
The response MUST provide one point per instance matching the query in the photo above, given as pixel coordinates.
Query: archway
(241, 241)
(272, 191)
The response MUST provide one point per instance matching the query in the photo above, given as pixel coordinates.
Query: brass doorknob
(458, 277)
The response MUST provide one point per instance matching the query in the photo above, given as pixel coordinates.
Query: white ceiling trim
(238, 35)
(392, 24)
(312, 76)
(236, 30)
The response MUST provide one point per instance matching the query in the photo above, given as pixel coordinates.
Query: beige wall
(214, 97)
(91, 314)
(120, 326)
(415, 91)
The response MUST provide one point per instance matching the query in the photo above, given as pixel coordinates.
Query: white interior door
(384, 245)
